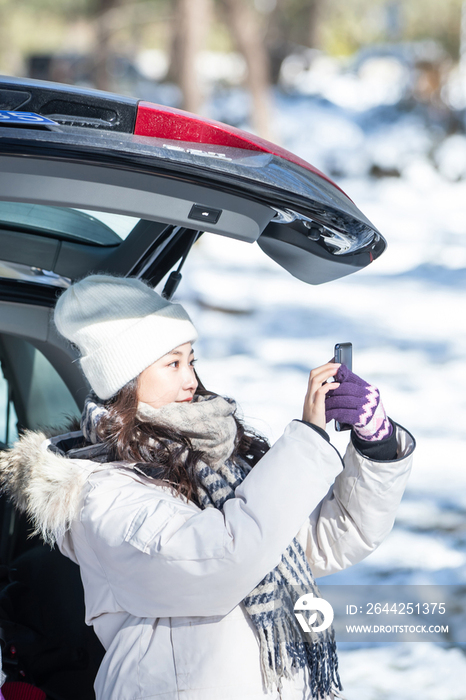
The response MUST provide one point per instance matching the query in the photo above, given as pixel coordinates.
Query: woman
(194, 538)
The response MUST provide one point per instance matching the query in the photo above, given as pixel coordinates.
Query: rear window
(79, 225)
(29, 273)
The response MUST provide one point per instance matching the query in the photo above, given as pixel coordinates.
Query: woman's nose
(189, 379)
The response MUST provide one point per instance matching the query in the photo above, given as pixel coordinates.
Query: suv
(96, 182)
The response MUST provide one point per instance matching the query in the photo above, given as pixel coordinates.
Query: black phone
(343, 353)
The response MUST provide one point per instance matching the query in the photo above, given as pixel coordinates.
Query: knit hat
(121, 326)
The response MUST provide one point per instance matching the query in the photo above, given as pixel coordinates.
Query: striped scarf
(284, 647)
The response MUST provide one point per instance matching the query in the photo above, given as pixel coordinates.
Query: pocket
(155, 663)
(148, 522)
(177, 532)
(219, 654)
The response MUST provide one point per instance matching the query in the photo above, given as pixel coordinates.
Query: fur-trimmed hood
(43, 482)
(44, 476)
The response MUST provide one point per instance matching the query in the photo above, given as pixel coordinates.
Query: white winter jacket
(164, 580)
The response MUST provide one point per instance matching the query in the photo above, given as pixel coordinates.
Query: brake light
(176, 124)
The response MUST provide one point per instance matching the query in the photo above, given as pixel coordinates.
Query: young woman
(194, 537)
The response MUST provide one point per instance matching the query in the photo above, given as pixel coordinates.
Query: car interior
(45, 641)
(46, 644)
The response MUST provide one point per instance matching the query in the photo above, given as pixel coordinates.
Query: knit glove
(357, 403)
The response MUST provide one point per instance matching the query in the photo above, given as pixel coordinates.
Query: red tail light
(175, 124)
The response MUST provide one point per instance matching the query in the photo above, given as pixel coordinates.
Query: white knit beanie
(121, 326)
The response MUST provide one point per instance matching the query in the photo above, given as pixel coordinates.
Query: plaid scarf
(283, 644)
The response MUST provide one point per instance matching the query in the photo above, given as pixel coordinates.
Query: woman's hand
(317, 388)
(358, 403)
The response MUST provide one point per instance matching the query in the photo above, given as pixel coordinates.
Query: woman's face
(169, 379)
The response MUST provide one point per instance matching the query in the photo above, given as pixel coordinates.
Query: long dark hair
(159, 451)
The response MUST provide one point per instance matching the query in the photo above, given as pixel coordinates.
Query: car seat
(45, 640)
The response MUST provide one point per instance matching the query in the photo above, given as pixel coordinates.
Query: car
(97, 182)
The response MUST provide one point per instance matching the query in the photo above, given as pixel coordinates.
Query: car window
(120, 224)
(41, 397)
(31, 273)
(67, 223)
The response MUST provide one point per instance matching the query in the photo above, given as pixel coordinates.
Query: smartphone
(343, 353)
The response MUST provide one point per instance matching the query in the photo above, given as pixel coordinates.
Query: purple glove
(358, 403)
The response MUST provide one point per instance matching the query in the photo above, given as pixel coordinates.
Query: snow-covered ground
(261, 331)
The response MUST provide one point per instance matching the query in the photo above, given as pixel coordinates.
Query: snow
(404, 671)
(450, 157)
(261, 331)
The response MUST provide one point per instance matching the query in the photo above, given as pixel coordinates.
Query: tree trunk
(313, 18)
(103, 32)
(244, 26)
(191, 19)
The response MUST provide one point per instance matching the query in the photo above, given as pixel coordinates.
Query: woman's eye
(193, 361)
(176, 363)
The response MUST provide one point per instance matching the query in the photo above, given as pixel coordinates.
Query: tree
(191, 20)
(190, 25)
(103, 33)
(291, 24)
(248, 36)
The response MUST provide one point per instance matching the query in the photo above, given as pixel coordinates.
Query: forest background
(107, 43)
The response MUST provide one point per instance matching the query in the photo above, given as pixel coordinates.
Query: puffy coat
(164, 579)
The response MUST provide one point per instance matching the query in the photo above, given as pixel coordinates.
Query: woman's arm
(359, 510)
(163, 557)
